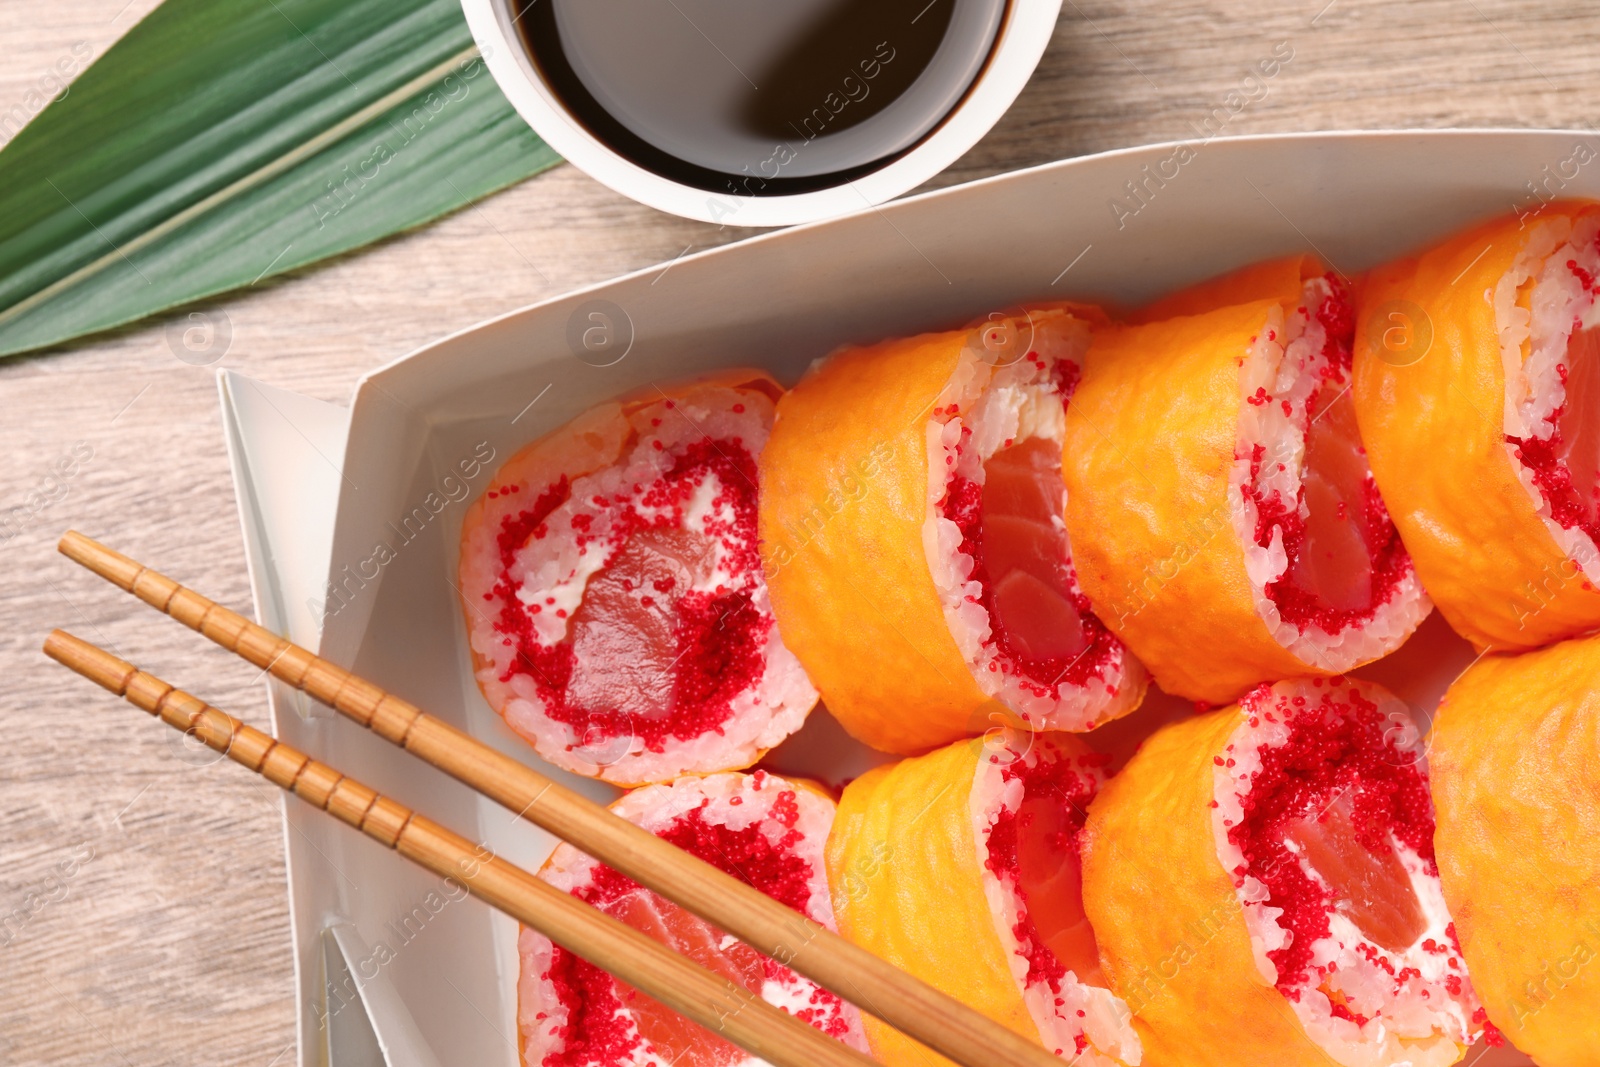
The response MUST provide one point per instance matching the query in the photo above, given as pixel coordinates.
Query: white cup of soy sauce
(761, 112)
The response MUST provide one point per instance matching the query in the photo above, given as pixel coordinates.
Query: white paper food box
(391, 966)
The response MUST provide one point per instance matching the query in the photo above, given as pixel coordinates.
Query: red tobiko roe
(710, 643)
(599, 1007)
(1011, 527)
(1344, 795)
(1492, 1035)
(1345, 559)
(1035, 849)
(1566, 465)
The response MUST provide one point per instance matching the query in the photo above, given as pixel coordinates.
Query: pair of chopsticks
(935, 1019)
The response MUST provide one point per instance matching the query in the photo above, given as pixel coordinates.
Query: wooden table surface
(142, 910)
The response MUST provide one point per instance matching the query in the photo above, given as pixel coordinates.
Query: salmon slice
(1579, 425)
(1050, 875)
(1025, 552)
(624, 632)
(673, 1037)
(1334, 564)
(1370, 887)
(1024, 480)
(1039, 622)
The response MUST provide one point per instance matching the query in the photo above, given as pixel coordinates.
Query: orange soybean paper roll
(1516, 780)
(1478, 393)
(961, 867)
(1224, 521)
(1262, 886)
(912, 536)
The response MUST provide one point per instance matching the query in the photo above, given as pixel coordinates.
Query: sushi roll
(1477, 387)
(1250, 542)
(912, 533)
(1262, 885)
(1516, 782)
(763, 830)
(961, 868)
(613, 595)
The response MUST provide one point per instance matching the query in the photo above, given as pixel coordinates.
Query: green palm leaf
(223, 141)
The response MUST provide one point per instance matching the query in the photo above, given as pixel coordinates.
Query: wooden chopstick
(908, 1004)
(722, 1007)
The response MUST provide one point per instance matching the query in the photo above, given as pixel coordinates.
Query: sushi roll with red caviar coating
(1262, 885)
(912, 532)
(1249, 541)
(1515, 753)
(767, 832)
(961, 868)
(1477, 387)
(613, 594)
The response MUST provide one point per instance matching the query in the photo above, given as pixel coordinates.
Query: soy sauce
(760, 97)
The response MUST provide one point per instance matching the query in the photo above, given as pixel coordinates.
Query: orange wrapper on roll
(912, 533)
(1516, 781)
(611, 585)
(1478, 394)
(961, 867)
(1262, 885)
(1224, 521)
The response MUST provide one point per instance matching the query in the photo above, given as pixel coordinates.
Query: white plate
(317, 483)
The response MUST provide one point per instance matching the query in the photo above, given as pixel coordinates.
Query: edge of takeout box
(916, 199)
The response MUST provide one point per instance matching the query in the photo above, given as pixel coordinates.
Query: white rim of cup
(1024, 34)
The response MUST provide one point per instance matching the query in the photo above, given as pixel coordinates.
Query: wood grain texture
(128, 938)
